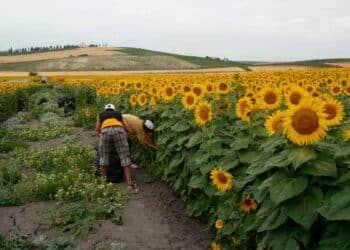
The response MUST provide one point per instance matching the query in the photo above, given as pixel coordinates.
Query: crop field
(260, 158)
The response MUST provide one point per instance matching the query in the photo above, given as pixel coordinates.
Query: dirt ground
(104, 51)
(155, 218)
(125, 72)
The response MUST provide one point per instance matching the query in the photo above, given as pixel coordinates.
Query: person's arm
(98, 126)
(149, 144)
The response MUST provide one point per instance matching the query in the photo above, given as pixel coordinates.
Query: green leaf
(194, 140)
(298, 156)
(241, 142)
(342, 152)
(326, 167)
(249, 156)
(273, 142)
(228, 162)
(336, 205)
(335, 236)
(181, 127)
(274, 220)
(283, 240)
(197, 181)
(286, 188)
(303, 209)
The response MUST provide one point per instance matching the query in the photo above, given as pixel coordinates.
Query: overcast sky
(239, 30)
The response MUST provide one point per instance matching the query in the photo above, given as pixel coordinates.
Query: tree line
(32, 49)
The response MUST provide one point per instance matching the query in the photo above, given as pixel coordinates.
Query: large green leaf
(249, 156)
(275, 219)
(197, 181)
(303, 209)
(282, 239)
(286, 188)
(336, 205)
(181, 126)
(298, 156)
(324, 167)
(342, 152)
(241, 142)
(335, 236)
(195, 139)
(273, 142)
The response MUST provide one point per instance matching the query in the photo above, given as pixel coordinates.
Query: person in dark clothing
(111, 129)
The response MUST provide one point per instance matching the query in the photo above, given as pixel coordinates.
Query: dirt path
(126, 72)
(155, 218)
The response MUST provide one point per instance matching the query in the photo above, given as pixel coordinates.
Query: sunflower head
(274, 123)
(269, 98)
(334, 111)
(243, 107)
(215, 246)
(203, 113)
(221, 179)
(223, 87)
(141, 99)
(305, 124)
(198, 90)
(133, 100)
(189, 101)
(168, 93)
(295, 96)
(248, 204)
(219, 224)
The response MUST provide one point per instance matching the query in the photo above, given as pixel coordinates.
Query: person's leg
(122, 147)
(104, 152)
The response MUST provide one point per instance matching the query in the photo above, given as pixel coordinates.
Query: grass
(318, 63)
(203, 62)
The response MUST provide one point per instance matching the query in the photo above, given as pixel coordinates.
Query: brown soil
(125, 72)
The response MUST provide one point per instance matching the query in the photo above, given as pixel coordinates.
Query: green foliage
(16, 242)
(40, 133)
(85, 117)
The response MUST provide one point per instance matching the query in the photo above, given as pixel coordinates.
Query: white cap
(109, 106)
(149, 124)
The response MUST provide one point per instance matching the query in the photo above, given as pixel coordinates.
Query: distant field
(59, 54)
(110, 59)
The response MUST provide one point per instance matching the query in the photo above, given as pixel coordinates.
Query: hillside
(95, 59)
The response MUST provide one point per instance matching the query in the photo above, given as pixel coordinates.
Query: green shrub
(85, 117)
(40, 133)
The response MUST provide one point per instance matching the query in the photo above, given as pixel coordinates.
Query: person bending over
(112, 131)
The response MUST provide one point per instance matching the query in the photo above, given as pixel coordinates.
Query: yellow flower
(215, 246)
(133, 100)
(305, 124)
(248, 204)
(269, 98)
(221, 179)
(334, 111)
(189, 101)
(295, 96)
(346, 134)
(273, 123)
(141, 99)
(243, 107)
(219, 224)
(168, 93)
(203, 113)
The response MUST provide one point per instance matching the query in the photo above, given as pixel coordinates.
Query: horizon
(240, 31)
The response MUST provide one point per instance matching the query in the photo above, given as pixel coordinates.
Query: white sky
(239, 30)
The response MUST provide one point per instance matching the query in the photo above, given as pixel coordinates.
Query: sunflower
(248, 204)
(203, 113)
(215, 246)
(243, 107)
(221, 179)
(223, 87)
(295, 96)
(305, 124)
(138, 85)
(336, 89)
(209, 87)
(186, 89)
(274, 123)
(269, 98)
(141, 99)
(219, 224)
(133, 100)
(343, 82)
(168, 93)
(334, 111)
(346, 134)
(347, 90)
(189, 101)
(198, 90)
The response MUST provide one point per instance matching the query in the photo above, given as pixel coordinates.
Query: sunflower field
(263, 158)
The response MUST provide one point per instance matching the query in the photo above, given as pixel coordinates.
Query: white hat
(109, 106)
(149, 124)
